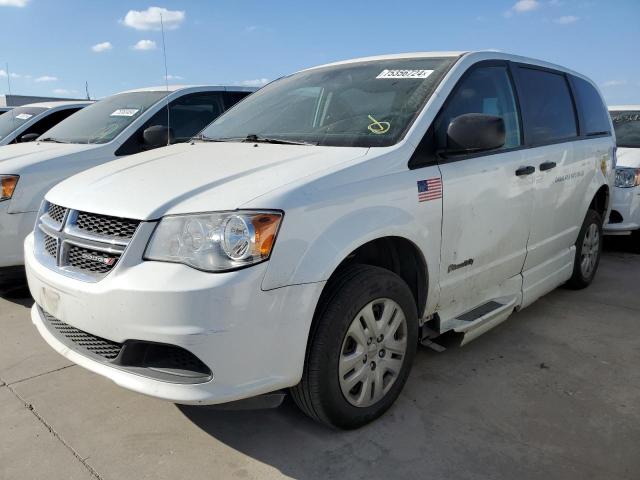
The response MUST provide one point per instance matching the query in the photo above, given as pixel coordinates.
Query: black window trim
(423, 149)
(580, 110)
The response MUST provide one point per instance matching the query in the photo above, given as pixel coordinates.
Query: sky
(53, 47)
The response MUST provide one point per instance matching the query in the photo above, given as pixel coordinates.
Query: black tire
(581, 279)
(635, 241)
(319, 393)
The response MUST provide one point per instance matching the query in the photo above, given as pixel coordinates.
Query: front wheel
(361, 348)
(588, 251)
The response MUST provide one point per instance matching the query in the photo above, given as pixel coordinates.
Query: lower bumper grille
(85, 341)
(159, 361)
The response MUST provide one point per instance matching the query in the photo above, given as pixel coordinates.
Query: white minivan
(625, 205)
(120, 125)
(28, 122)
(315, 233)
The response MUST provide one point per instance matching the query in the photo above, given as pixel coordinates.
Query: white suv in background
(625, 206)
(120, 125)
(320, 229)
(28, 122)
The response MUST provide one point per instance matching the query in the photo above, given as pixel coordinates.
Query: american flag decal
(429, 189)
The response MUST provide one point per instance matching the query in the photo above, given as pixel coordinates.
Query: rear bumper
(253, 341)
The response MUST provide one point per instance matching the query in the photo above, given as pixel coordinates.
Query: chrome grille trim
(78, 253)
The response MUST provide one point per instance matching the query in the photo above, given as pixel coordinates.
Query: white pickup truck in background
(625, 205)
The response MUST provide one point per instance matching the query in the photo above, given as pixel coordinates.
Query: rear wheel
(588, 251)
(361, 348)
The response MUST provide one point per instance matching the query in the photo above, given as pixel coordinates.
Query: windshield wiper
(51, 139)
(252, 139)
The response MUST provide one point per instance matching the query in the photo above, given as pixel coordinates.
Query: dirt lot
(553, 393)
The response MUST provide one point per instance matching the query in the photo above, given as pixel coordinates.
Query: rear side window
(547, 108)
(484, 90)
(594, 118)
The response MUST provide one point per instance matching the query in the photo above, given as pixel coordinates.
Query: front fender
(311, 251)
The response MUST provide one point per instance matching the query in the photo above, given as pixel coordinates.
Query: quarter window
(547, 108)
(594, 118)
(485, 90)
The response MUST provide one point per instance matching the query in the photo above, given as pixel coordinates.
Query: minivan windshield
(13, 119)
(363, 104)
(104, 120)
(627, 126)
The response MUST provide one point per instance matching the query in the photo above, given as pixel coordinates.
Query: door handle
(547, 166)
(528, 170)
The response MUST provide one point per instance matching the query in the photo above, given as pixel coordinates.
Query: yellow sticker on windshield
(378, 127)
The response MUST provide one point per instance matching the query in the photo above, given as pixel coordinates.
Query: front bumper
(14, 227)
(626, 201)
(253, 341)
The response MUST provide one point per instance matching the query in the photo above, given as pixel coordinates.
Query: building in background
(18, 100)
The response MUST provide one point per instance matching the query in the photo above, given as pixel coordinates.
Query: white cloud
(64, 91)
(145, 45)
(522, 6)
(258, 82)
(102, 47)
(149, 19)
(614, 83)
(3, 74)
(173, 77)
(566, 20)
(13, 3)
(47, 78)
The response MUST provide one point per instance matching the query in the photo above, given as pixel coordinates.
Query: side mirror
(29, 137)
(157, 136)
(475, 132)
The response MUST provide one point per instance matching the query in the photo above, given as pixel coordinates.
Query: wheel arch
(396, 254)
(600, 201)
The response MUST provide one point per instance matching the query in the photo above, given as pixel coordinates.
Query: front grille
(56, 213)
(82, 245)
(51, 246)
(91, 260)
(107, 226)
(85, 341)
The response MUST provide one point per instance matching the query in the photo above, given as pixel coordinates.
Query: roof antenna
(166, 80)
(13, 114)
(86, 89)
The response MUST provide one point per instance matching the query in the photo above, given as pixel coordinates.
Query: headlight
(8, 185)
(627, 177)
(215, 242)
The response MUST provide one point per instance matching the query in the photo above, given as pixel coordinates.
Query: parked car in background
(625, 209)
(316, 232)
(120, 125)
(26, 123)
(4, 109)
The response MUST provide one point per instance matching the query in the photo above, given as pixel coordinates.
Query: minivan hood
(16, 159)
(197, 177)
(628, 157)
